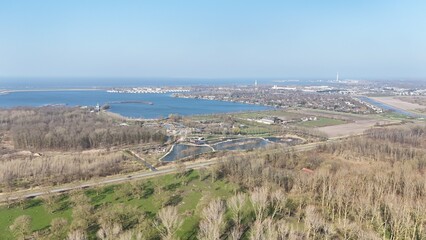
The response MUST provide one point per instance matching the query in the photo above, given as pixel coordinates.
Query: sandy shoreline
(398, 103)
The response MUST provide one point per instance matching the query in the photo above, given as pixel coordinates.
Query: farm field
(354, 128)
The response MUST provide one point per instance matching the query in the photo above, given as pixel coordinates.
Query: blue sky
(213, 39)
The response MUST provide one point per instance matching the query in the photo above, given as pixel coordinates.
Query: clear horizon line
(213, 78)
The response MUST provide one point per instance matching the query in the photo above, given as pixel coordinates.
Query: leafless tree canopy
(170, 222)
(362, 188)
(70, 128)
(59, 169)
(212, 223)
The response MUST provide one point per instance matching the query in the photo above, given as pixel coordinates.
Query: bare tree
(50, 200)
(212, 223)
(82, 214)
(278, 201)
(170, 222)
(215, 172)
(137, 189)
(269, 228)
(58, 228)
(202, 173)
(236, 232)
(77, 234)
(113, 221)
(131, 235)
(109, 231)
(283, 230)
(259, 200)
(256, 230)
(236, 204)
(21, 227)
(313, 221)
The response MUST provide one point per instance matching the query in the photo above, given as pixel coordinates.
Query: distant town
(348, 96)
(148, 90)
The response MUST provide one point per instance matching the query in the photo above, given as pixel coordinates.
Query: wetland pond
(182, 150)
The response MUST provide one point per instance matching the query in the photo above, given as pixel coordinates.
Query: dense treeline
(392, 145)
(278, 167)
(363, 188)
(71, 128)
(33, 171)
(376, 198)
(366, 148)
(414, 135)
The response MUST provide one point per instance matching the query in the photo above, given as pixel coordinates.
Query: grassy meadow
(189, 193)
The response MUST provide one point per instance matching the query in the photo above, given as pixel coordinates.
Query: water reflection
(180, 151)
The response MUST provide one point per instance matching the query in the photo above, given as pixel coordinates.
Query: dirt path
(148, 165)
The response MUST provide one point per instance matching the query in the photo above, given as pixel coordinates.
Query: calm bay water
(163, 104)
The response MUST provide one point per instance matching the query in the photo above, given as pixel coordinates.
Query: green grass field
(34, 208)
(321, 122)
(254, 128)
(190, 193)
(276, 113)
(252, 115)
(395, 116)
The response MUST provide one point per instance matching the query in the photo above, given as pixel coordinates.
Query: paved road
(31, 193)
